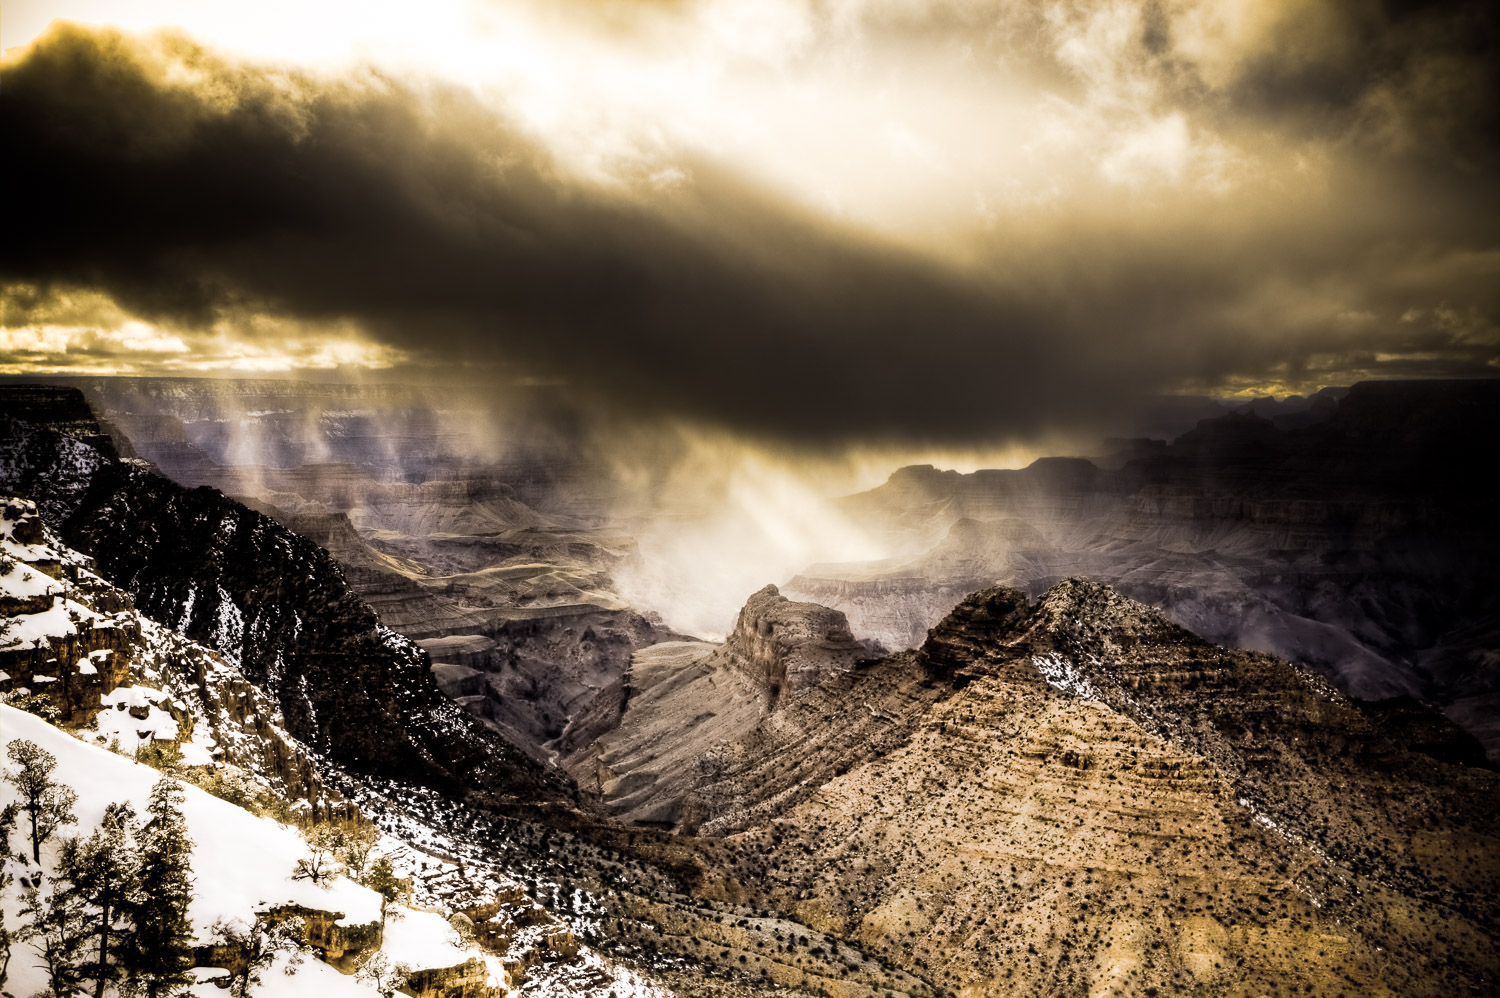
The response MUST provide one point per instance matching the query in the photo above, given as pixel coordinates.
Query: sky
(853, 222)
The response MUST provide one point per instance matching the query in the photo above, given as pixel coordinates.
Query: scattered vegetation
(34, 703)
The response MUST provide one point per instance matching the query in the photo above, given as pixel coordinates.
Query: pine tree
(58, 925)
(381, 877)
(158, 955)
(47, 803)
(8, 934)
(101, 872)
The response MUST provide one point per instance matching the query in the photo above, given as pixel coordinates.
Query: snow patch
(1062, 674)
(60, 620)
(241, 863)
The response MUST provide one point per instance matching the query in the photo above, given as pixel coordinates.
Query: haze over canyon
(725, 498)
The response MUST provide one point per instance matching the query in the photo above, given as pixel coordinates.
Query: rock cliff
(1358, 544)
(784, 646)
(276, 606)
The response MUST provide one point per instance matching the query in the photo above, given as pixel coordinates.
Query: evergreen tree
(101, 872)
(8, 934)
(381, 877)
(47, 803)
(158, 955)
(58, 925)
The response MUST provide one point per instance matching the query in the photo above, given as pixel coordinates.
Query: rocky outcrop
(664, 746)
(323, 931)
(470, 979)
(1357, 543)
(49, 468)
(65, 635)
(784, 646)
(336, 942)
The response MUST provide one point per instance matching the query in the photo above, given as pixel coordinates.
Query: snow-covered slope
(241, 863)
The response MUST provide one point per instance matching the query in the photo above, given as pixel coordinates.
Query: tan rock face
(1104, 804)
(337, 943)
(785, 646)
(469, 979)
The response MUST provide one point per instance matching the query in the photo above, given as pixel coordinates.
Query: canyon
(985, 766)
(1351, 537)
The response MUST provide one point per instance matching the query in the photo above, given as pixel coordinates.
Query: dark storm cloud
(1416, 78)
(222, 190)
(430, 220)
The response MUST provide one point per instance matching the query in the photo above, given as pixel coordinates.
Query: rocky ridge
(97, 665)
(275, 605)
(1356, 543)
(1100, 802)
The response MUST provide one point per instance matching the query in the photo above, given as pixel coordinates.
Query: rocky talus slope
(1099, 802)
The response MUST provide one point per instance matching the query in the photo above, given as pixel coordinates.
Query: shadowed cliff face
(1358, 543)
(62, 409)
(277, 607)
